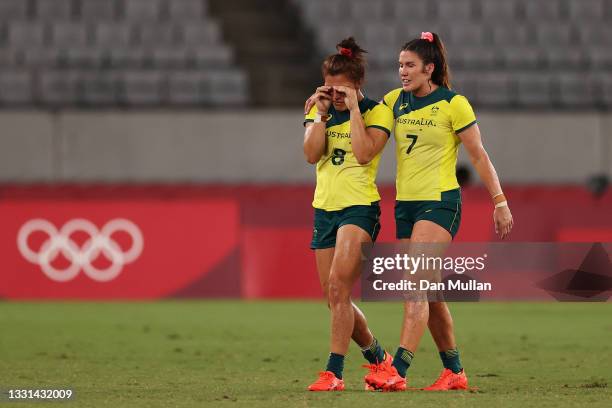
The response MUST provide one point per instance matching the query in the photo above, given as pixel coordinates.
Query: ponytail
(432, 51)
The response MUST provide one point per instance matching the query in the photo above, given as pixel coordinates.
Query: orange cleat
(449, 381)
(386, 378)
(327, 382)
(373, 369)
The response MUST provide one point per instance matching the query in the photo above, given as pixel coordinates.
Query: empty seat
(493, 12)
(453, 10)
(411, 10)
(25, 34)
(597, 34)
(58, 87)
(188, 88)
(9, 58)
(585, 10)
(54, 9)
(99, 88)
(173, 57)
(96, 10)
(565, 57)
(201, 34)
(113, 34)
(211, 56)
(577, 90)
(515, 34)
(138, 10)
(40, 57)
(495, 89)
(520, 57)
(129, 58)
(157, 35)
(228, 87)
(376, 35)
(367, 10)
(534, 90)
(543, 10)
(605, 83)
(186, 9)
(317, 11)
(466, 35)
(473, 57)
(85, 57)
(142, 87)
(600, 58)
(15, 87)
(67, 35)
(11, 10)
(555, 34)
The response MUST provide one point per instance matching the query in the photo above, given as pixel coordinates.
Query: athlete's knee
(416, 309)
(338, 291)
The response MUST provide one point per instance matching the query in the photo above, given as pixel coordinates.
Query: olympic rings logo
(80, 258)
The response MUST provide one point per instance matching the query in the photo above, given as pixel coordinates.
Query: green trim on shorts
(327, 223)
(446, 213)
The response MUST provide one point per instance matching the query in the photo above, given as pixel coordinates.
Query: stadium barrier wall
(221, 241)
(265, 146)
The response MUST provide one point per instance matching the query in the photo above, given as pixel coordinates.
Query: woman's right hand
(321, 98)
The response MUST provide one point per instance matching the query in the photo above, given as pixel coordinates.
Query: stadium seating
(526, 54)
(115, 53)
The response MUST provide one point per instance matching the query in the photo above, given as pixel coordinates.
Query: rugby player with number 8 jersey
(344, 136)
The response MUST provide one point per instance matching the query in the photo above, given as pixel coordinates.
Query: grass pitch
(264, 354)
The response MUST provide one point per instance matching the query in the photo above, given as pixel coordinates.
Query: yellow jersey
(341, 180)
(426, 139)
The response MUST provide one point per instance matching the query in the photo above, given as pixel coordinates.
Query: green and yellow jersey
(426, 141)
(341, 180)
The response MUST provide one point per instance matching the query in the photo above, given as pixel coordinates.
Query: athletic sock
(402, 360)
(450, 360)
(335, 364)
(374, 353)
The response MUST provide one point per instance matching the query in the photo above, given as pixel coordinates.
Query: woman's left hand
(350, 96)
(502, 217)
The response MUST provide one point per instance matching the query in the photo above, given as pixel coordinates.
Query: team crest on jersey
(434, 110)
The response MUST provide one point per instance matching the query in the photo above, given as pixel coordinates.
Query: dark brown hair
(432, 53)
(349, 61)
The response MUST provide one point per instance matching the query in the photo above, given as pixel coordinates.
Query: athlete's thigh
(429, 231)
(347, 256)
(324, 258)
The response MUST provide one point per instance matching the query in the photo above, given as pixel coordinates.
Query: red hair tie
(426, 35)
(346, 52)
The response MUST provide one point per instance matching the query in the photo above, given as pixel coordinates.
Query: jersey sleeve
(310, 116)
(380, 117)
(391, 97)
(462, 114)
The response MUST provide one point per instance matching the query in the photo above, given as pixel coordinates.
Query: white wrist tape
(501, 204)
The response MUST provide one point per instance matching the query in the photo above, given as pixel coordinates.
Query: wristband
(497, 195)
(501, 204)
(321, 118)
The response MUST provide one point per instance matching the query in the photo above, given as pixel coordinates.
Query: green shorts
(445, 213)
(327, 223)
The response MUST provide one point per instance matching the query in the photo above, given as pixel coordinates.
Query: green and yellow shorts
(327, 223)
(446, 213)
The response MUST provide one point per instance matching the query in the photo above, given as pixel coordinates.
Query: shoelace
(440, 378)
(323, 377)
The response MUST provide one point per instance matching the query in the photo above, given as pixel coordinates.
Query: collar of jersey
(416, 103)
